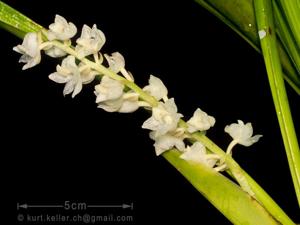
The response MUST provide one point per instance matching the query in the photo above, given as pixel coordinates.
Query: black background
(58, 148)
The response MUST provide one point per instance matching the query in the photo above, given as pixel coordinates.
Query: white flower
(242, 133)
(68, 73)
(197, 153)
(166, 142)
(108, 89)
(164, 118)
(55, 52)
(111, 97)
(30, 50)
(129, 102)
(111, 105)
(200, 121)
(61, 29)
(90, 41)
(156, 88)
(87, 74)
(116, 62)
(126, 103)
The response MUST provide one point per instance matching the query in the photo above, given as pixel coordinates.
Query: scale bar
(84, 205)
(45, 206)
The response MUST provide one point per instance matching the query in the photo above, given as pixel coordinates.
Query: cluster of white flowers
(112, 95)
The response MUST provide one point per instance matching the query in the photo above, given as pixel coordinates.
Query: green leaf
(291, 9)
(15, 22)
(265, 23)
(243, 178)
(285, 34)
(239, 15)
(225, 195)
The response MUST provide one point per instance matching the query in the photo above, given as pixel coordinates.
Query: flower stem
(103, 70)
(230, 147)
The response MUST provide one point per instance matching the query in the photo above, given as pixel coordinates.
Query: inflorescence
(117, 91)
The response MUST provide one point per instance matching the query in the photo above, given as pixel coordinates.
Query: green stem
(265, 23)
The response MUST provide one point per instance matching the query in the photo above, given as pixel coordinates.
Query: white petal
(90, 41)
(197, 153)
(130, 103)
(156, 88)
(69, 87)
(98, 37)
(77, 89)
(31, 44)
(69, 62)
(61, 29)
(88, 75)
(166, 142)
(200, 121)
(58, 78)
(164, 118)
(63, 70)
(55, 52)
(242, 133)
(30, 50)
(128, 107)
(111, 105)
(251, 140)
(151, 124)
(171, 106)
(82, 51)
(32, 62)
(86, 32)
(116, 61)
(108, 89)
